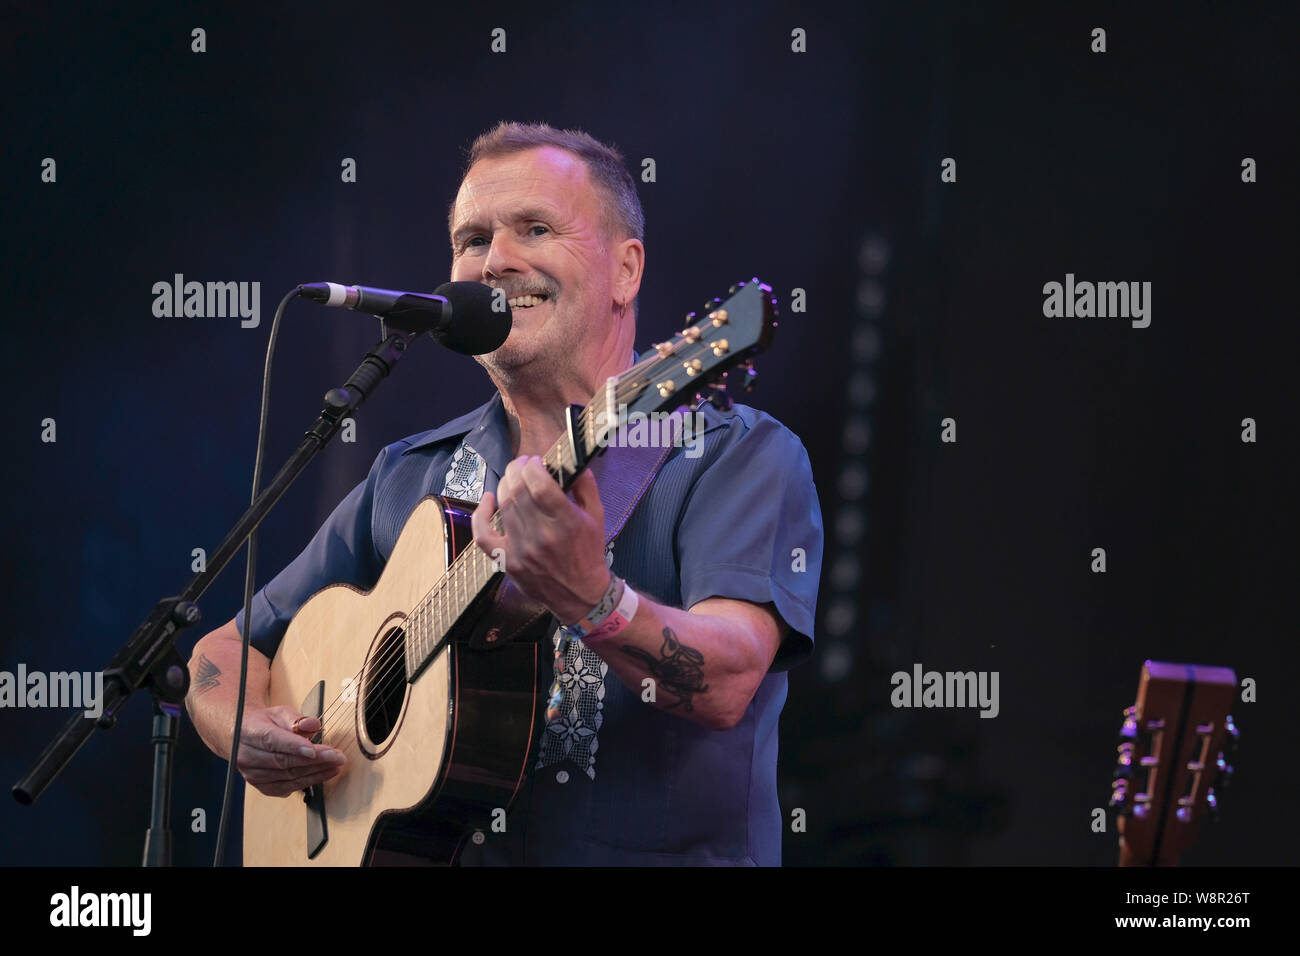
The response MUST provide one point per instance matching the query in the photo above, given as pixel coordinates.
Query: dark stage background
(817, 171)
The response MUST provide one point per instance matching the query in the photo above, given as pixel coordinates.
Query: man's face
(530, 223)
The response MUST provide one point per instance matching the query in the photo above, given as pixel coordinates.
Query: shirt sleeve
(342, 552)
(751, 528)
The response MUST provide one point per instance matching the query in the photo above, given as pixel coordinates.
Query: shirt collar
(488, 416)
(485, 428)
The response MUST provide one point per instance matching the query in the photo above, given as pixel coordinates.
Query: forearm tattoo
(678, 669)
(206, 679)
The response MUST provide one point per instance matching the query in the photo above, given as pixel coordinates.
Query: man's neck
(535, 405)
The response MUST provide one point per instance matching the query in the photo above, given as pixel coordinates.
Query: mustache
(514, 290)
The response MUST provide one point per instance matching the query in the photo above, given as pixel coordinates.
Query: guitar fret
(419, 632)
(426, 607)
(443, 603)
(435, 613)
(415, 641)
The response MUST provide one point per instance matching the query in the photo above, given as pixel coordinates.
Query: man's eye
(533, 230)
(473, 239)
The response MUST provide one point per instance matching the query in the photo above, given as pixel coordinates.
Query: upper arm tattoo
(206, 679)
(679, 669)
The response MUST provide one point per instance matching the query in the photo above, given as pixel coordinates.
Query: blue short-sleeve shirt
(734, 514)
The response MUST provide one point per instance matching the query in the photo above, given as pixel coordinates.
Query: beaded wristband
(613, 613)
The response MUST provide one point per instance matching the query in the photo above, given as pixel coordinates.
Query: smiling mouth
(527, 301)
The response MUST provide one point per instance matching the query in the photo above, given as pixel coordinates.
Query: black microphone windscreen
(473, 326)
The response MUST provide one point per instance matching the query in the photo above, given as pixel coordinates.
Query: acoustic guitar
(1173, 763)
(433, 683)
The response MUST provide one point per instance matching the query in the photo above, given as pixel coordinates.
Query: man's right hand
(279, 761)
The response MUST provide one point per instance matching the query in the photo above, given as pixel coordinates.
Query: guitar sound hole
(385, 686)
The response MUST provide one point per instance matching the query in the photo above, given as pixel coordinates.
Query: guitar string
(443, 593)
(441, 597)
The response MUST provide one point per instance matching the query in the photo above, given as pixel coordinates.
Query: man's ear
(629, 266)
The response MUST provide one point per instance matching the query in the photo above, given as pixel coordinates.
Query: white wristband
(605, 621)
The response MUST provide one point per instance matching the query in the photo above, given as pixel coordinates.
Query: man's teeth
(525, 301)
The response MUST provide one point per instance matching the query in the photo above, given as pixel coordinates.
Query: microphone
(459, 315)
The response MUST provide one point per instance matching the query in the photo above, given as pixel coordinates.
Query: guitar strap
(623, 475)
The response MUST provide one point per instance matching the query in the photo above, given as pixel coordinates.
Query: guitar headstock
(1174, 752)
(715, 348)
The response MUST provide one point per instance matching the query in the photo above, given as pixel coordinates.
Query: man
(721, 556)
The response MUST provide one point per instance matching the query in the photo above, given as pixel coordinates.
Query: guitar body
(429, 759)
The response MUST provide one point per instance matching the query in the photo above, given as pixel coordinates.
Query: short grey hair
(623, 217)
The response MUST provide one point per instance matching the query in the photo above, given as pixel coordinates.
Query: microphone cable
(249, 574)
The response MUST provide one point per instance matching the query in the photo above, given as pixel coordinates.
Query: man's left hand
(554, 548)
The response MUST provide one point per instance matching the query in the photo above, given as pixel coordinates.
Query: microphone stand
(149, 657)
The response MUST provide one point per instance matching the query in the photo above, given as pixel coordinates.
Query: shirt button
(562, 777)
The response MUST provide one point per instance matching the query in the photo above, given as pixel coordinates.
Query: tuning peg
(751, 379)
(1119, 796)
(733, 289)
(1232, 737)
(1212, 804)
(1129, 730)
(1125, 761)
(1124, 764)
(1223, 779)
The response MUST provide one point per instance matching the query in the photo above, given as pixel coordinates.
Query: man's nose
(504, 256)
